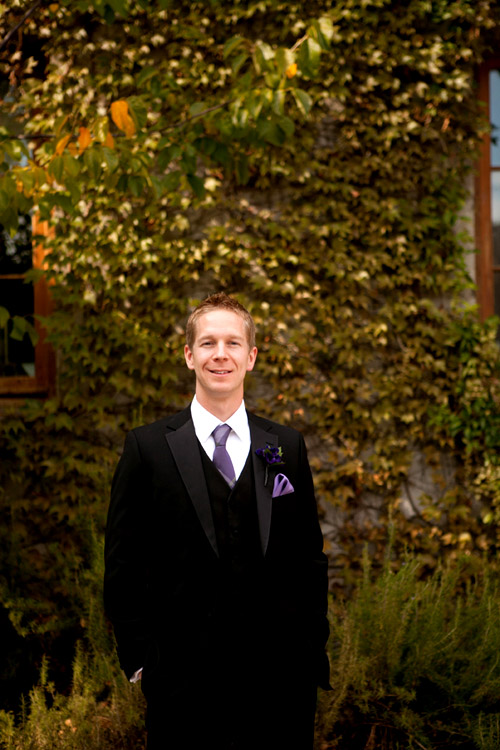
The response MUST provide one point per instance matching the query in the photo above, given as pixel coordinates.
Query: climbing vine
(312, 160)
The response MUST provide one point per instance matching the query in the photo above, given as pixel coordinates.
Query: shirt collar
(205, 422)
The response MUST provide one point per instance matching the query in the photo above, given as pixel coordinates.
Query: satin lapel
(186, 452)
(263, 493)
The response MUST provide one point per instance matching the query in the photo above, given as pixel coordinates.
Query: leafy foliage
(101, 708)
(313, 161)
(414, 663)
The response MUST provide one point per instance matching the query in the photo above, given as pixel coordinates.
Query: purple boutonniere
(273, 456)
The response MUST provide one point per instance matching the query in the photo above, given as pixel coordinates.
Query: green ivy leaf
(221, 154)
(171, 181)
(56, 168)
(303, 100)
(286, 125)
(232, 44)
(92, 161)
(241, 169)
(284, 58)
(309, 57)
(271, 132)
(166, 155)
(322, 31)
(136, 185)
(238, 62)
(138, 110)
(4, 316)
(263, 54)
(19, 328)
(197, 185)
(111, 158)
(279, 102)
(71, 165)
(197, 108)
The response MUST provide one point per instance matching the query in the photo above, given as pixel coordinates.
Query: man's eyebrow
(205, 336)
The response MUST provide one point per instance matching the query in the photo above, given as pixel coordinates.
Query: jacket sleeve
(317, 575)
(126, 575)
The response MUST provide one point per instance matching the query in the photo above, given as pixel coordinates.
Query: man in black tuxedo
(216, 582)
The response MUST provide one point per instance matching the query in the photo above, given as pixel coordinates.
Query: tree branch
(178, 124)
(18, 25)
(299, 42)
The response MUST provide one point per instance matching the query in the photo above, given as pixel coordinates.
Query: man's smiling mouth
(220, 372)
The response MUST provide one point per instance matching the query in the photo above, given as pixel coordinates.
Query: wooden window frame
(43, 382)
(485, 268)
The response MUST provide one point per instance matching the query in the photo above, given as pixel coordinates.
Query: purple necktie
(221, 459)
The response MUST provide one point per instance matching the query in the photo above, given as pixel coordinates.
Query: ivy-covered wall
(325, 196)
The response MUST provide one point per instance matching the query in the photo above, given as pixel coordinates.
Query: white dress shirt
(238, 441)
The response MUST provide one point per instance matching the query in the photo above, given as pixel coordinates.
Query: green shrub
(95, 715)
(415, 662)
(100, 709)
(414, 666)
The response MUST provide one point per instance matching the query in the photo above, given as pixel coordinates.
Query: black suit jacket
(164, 587)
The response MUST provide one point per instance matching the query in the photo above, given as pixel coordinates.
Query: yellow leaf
(61, 145)
(109, 141)
(291, 71)
(72, 149)
(121, 117)
(84, 139)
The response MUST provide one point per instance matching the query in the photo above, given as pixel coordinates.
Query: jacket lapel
(186, 452)
(259, 439)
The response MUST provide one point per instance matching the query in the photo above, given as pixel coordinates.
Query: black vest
(237, 602)
(235, 518)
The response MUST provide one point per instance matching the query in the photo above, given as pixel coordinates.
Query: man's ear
(252, 356)
(188, 355)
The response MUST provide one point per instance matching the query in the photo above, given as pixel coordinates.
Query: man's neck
(223, 408)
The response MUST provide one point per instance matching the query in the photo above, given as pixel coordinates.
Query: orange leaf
(110, 141)
(291, 71)
(61, 145)
(84, 139)
(121, 117)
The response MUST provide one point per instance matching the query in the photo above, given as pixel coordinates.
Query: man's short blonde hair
(220, 301)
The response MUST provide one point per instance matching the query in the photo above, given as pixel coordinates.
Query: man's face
(221, 355)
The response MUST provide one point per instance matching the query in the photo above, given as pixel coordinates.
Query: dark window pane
(16, 357)
(495, 216)
(495, 117)
(16, 252)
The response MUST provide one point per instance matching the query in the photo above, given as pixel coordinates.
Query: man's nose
(220, 350)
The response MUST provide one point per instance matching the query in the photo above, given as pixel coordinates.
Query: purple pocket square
(282, 486)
